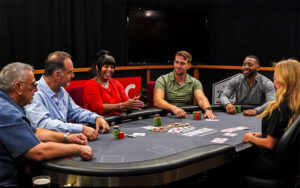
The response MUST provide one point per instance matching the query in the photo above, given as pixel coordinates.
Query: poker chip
(121, 135)
(238, 109)
(157, 121)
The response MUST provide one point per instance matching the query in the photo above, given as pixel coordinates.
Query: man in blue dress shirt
(18, 141)
(52, 108)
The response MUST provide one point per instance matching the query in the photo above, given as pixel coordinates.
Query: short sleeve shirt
(16, 137)
(275, 126)
(176, 94)
(277, 122)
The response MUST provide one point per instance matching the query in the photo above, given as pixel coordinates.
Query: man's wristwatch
(208, 108)
(65, 137)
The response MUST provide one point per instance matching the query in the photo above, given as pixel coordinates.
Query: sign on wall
(132, 85)
(217, 90)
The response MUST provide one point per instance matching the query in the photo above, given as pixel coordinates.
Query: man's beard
(250, 74)
(179, 73)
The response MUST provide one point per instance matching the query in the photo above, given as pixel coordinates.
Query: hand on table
(250, 112)
(256, 134)
(230, 109)
(100, 122)
(250, 135)
(247, 137)
(85, 152)
(179, 112)
(209, 114)
(77, 138)
(89, 132)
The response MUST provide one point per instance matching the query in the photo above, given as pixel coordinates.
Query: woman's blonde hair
(287, 73)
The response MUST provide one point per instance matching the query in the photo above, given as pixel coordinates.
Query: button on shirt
(176, 94)
(16, 138)
(53, 111)
(261, 92)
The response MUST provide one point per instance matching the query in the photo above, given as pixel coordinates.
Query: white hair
(12, 73)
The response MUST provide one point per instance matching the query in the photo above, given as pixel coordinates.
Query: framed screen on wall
(154, 36)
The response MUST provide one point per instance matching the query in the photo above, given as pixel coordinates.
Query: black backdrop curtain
(31, 29)
(267, 29)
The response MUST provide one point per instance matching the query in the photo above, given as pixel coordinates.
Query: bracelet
(208, 108)
(65, 137)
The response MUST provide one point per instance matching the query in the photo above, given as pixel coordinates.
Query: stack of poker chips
(238, 109)
(157, 120)
(121, 135)
(197, 115)
(117, 133)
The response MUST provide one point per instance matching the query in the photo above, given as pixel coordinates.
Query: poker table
(156, 157)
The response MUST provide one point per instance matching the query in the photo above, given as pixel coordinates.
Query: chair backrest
(150, 90)
(288, 148)
(76, 94)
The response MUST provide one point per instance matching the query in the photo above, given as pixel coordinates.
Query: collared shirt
(16, 138)
(44, 112)
(261, 92)
(176, 94)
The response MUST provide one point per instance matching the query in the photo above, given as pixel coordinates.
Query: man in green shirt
(178, 89)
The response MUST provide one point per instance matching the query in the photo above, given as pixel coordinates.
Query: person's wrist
(208, 108)
(227, 104)
(174, 108)
(100, 117)
(122, 107)
(65, 140)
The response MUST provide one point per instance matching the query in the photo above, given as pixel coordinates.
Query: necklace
(105, 85)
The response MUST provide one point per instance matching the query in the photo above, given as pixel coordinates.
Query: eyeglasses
(33, 84)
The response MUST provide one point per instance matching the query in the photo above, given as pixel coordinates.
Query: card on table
(211, 119)
(219, 140)
(138, 134)
(230, 134)
(235, 129)
(150, 128)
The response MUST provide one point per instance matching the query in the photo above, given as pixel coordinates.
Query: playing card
(150, 128)
(211, 119)
(219, 140)
(234, 129)
(230, 134)
(139, 134)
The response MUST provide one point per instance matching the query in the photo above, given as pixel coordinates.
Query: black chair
(288, 153)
